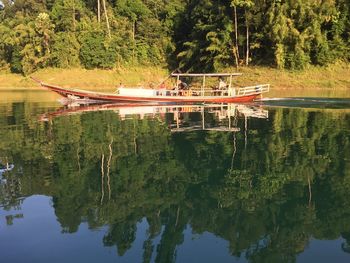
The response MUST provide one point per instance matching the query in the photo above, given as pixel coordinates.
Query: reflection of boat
(254, 112)
(125, 110)
(221, 112)
(6, 168)
(179, 94)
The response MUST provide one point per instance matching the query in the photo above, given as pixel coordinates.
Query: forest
(190, 35)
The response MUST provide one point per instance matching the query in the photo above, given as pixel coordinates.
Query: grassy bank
(332, 77)
(87, 79)
(335, 76)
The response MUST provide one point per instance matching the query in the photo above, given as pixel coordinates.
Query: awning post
(203, 85)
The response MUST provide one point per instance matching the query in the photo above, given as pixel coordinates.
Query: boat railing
(189, 92)
(251, 90)
(192, 92)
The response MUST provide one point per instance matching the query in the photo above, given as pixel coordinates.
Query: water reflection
(179, 118)
(308, 102)
(267, 181)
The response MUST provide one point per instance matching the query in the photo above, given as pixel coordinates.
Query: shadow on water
(308, 102)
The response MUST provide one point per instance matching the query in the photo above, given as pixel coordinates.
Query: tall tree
(99, 11)
(235, 48)
(106, 16)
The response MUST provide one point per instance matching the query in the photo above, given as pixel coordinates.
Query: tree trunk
(73, 16)
(106, 15)
(235, 51)
(247, 38)
(133, 41)
(235, 55)
(99, 11)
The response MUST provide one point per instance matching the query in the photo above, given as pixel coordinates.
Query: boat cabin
(198, 85)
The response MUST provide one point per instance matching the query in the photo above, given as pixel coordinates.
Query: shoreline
(334, 77)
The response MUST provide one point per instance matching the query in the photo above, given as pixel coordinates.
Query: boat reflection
(180, 118)
(5, 166)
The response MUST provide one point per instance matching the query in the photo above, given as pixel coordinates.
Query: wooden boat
(227, 94)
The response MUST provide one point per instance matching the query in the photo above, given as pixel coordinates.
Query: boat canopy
(205, 74)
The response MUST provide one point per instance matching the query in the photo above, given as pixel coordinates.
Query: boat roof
(205, 74)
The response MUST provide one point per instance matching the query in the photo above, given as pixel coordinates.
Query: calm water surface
(268, 182)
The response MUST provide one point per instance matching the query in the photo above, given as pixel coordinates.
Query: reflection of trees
(288, 183)
(122, 235)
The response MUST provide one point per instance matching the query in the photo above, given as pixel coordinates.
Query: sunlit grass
(335, 76)
(96, 79)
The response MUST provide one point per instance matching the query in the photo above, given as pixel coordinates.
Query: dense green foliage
(267, 191)
(195, 35)
(66, 33)
(287, 34)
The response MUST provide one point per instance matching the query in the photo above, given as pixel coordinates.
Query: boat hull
(82, 95)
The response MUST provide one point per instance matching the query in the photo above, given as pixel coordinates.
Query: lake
(264, 182)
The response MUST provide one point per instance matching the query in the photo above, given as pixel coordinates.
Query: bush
(95, 53)
(65, 50)
(16, 61)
